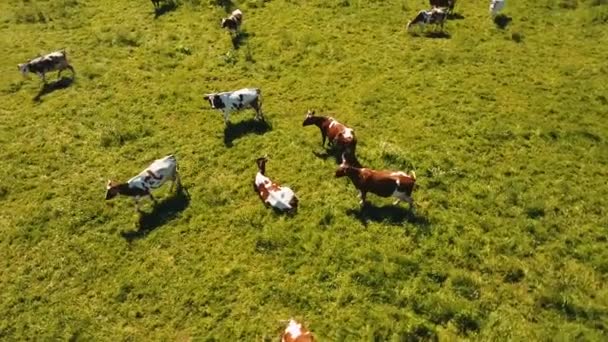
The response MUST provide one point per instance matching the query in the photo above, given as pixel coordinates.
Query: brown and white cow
(280, 198)
(233, 22)
(338, 134)
(154, 176)
(382, 183)
(57, 60)
(295, 332)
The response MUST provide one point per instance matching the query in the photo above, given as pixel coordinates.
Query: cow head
(261, 162)
(215, 101)
(309, 119)
(23, 68)
(111, 190)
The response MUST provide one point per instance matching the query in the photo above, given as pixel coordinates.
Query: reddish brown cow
(338, 134)
(382, 183)
(296, 332)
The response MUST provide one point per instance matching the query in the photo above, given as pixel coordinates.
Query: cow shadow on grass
(455, 16)
(165, 7)
(392, 214)
(502, 21)
(438, 35)
(162, 213)
(242, 128)
(50, 87)
(336, 154)
(239, 39)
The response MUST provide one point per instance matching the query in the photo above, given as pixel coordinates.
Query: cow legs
(257, 106)
(226, 115)
(362, 195)
(41, 74)
(323, 138)
(153, 199)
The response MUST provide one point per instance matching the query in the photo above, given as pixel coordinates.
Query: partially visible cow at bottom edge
(57, 60)
(382, 183)
(154, 176)
(435, 16)
(296, 332)
(280, 198)
(237, 100)
(157, 6)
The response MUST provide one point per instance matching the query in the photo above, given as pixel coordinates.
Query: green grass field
(507, 131)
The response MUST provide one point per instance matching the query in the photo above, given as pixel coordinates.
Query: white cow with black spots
(154, 176)
(231, 101)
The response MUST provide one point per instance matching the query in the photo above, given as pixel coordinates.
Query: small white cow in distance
(154, 176)
(496, 6)
(280, 198)
(295, 332)
(57, 60)
(231, 101)
(233, 22)
(435, 16)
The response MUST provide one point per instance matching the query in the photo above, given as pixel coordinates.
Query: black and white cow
(435, 16)
(233, 22)
(53, 61)
(231, 101)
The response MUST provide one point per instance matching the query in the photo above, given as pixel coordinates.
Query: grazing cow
(233, 22)
(231, 101)
(435, 16)
(53, 61)
(273, 195)
(496, 6)
(449, 4)
(338, 134)
(152, 177)
(382, 183)
(295, 332)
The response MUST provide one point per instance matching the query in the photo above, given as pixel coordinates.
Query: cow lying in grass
(295, 332)
(273, 195)
(339, 135)
(435, 16)
(382, 183)
(154, 176)
(233, 22)
(53, 61)
(231, 101)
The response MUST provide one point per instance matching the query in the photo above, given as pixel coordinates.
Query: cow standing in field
(233, 22)
(231, 101)
(449, 4)
(53, 61)
(273, 195)
(154, 176)
(382, 183)
(435, 16)
(295, 332)
(338, 134)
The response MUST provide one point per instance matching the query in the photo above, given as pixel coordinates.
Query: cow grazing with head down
(154, 176)
(233, 22)
(435, 16)
(339, 135)
(448, 4)
(295, 332)
(53, 61)
(382, 183)
(231, 101)
(273, 195)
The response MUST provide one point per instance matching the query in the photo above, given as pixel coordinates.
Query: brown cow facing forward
(382, 183)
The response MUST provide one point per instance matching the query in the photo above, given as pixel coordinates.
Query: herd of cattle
(341, 138)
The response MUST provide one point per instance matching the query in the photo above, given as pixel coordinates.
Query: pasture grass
(506, 129)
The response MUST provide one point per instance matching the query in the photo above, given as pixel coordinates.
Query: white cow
(496, 6)
(154, 176)
(231, 101)
(279, 197)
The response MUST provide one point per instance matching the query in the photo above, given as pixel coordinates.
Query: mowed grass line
(508, 141)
